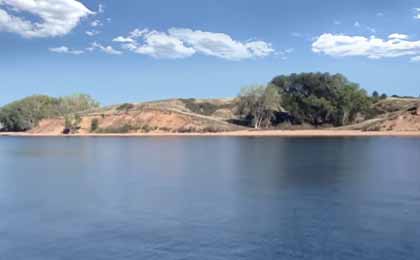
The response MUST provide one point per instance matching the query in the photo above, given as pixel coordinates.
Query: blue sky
(206, 48)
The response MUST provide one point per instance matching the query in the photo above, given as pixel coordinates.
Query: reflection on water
(209, 198)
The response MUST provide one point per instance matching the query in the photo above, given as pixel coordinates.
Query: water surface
(209, 198)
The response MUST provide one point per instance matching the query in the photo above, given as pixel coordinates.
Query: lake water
(209, 198)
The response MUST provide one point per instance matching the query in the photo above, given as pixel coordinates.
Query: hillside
(174, 115)
(393, 114)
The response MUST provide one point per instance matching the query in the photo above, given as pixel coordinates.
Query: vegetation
(202, 108)
(94, 125)
(125, 107)
(376, 97)
(322, 98)
(258, 104)
(71, 123)
(295, 100)
(26, 113)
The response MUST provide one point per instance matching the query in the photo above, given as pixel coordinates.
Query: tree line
(314, 98)
(26, 113)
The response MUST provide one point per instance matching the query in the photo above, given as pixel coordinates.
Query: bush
(94, 125)
(125, 107)
(124, 129)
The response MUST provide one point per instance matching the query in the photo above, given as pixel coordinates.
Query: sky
(131, 51)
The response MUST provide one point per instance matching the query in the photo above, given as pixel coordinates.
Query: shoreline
(242, 133)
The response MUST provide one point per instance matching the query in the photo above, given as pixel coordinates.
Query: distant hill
(173, 115)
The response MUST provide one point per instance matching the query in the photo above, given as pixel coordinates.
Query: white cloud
(58, 17)
(66, 50)
(417, 15)
(221, 45)
(356, 24)
(137, 33)
(105, 49)
(398, 36)
(380, 14)
(92, 32)
(123, 39)
(182, 43)
(160, 45)
(337, 45)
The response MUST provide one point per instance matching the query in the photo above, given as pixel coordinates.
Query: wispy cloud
(66, 50)
(106, 49)
(417, 15)
(101, 8)
(92, 32)
(183, 43)
(58, 17)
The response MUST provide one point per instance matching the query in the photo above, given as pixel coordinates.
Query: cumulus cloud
(66, 50)
(160, 45)
(106, 49)
(58, 17)
(338, 45)
(182, 43)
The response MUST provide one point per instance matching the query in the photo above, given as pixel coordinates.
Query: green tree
(258, 104)
(77, 103)
(25, 114)
(322, 98)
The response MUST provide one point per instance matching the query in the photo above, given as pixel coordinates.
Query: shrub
(94, 125)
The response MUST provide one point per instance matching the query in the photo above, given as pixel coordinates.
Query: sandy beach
(244, 133)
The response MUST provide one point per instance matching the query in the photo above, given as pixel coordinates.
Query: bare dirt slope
(174, 115)
(394, 114)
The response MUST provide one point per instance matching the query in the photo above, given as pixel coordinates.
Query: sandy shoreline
(244, 133)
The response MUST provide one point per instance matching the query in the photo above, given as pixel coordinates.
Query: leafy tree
(76, 103)
(322, 98)
(25, 114)
(258, 104)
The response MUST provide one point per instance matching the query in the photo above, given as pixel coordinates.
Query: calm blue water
(209, 198)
